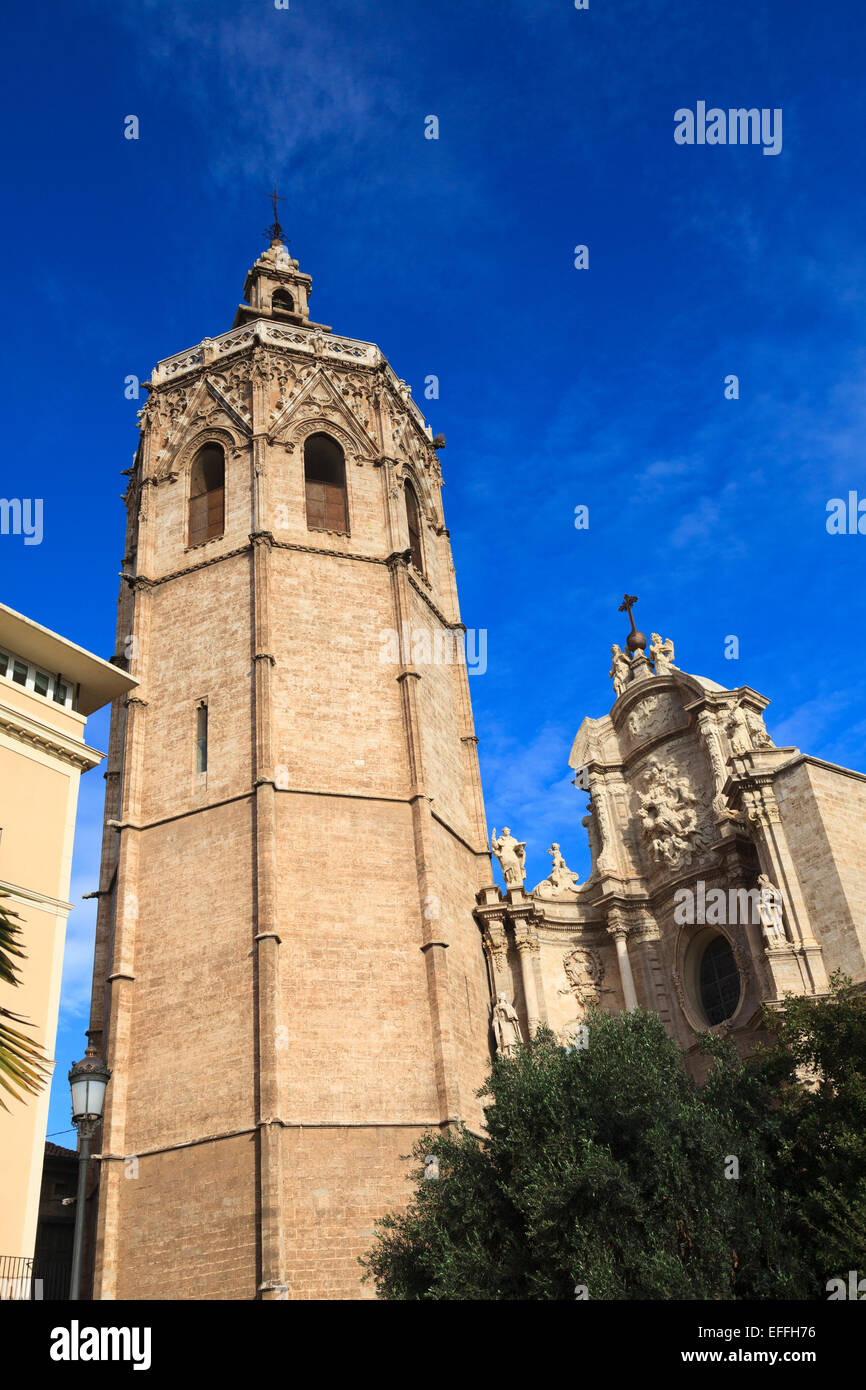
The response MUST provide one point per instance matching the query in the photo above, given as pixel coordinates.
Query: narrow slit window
(413, 521)
(201, 739)
(207, 495)
(325, 485)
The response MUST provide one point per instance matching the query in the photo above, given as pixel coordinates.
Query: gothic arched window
(282, 300)
(413, 521)
(325, 483)
(207, 481)
(719, 981)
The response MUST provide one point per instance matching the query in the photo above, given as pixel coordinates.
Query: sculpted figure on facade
(506, 1025)
(562, 880)
(738, 730)
(662, 653)
(590, 824)
(770, 911)
(511, 854)
(758, 730)
(620, 668)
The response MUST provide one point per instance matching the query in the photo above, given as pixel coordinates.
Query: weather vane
(275, 231)
(636, 641)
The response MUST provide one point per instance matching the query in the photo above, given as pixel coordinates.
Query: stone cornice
(295, 339)
(818, 762)
(293, 791)
(143, 582)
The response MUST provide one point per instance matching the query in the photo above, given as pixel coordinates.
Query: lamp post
(88, 1080)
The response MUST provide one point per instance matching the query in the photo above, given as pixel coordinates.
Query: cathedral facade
(302, 961)
(726, 873)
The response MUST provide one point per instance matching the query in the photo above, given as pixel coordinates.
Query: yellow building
(48, 687)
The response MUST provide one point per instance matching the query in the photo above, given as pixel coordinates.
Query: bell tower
(289, 985)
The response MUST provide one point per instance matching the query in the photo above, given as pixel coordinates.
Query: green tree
(22, 1062)
(606, 1168)
(818, 1065)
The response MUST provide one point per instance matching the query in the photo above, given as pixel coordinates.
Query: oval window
(719, 981)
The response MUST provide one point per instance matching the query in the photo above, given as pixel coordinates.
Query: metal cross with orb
(628, 603)
(636, 641)
(275, 231)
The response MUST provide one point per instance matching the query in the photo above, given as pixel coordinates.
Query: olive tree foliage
(607, 1173)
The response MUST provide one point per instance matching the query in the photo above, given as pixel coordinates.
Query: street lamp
(87, 1080)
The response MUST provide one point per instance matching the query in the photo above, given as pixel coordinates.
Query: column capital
(525, 935)
(618, 925)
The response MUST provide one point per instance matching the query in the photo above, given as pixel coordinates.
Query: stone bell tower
(289, 985)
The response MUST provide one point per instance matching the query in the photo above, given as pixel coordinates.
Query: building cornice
(310, 342)
(29, 897)
(49, 740)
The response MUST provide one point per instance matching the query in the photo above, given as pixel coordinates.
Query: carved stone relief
(584, 971)
(668, 816)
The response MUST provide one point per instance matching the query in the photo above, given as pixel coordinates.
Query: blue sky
(558, 387)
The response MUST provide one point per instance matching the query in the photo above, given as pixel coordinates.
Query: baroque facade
(726, 872)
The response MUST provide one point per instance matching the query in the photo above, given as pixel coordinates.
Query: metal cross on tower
(275, 231)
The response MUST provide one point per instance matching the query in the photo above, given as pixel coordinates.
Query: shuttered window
(325, 485)
(207, 495)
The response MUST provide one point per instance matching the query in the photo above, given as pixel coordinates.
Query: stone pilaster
(434, 942)
(762, 814)
(123, 909)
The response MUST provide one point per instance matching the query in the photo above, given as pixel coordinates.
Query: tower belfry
(275, 288)
(289, 985)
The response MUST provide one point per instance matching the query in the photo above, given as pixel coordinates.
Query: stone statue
(590, 823)
(738, 730)
(506, 1026)
(770, 911)
(511, 855)
(620, 668)
(760, 737)
(662, 653)
(562, 880)
(561, 875)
